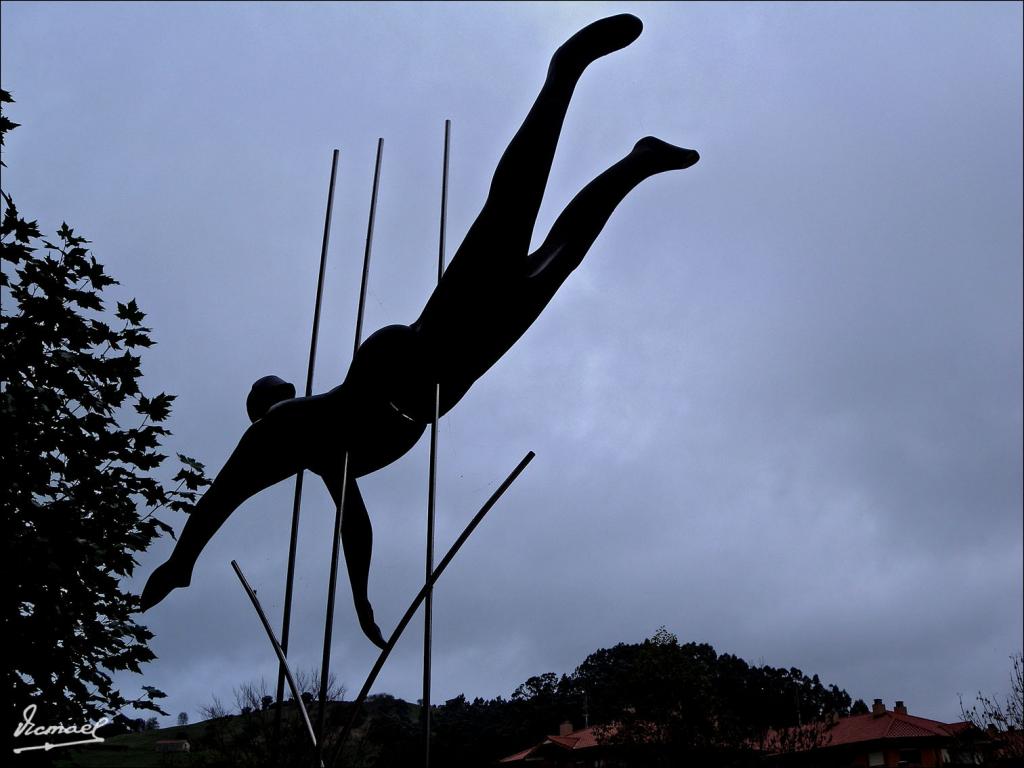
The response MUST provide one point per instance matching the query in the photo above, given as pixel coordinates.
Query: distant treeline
(708, 708)
(704, 704)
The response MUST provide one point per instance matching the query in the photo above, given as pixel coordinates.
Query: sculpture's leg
(500, 236)
(575, 230)
(456, 343)
(357, 540)
(268, 452)
(522, 173)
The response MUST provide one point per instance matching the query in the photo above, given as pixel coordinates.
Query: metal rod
(339, 512)
(278, 649)
(444, 200)
(421, 595)
(369, 244)
(428, 606)
(297, 501)
(325, 664)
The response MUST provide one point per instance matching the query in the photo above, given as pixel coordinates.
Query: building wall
(865, 756)
(928, 757)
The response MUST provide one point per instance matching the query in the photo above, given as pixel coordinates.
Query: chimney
(565, 728)
(878, 708)
(900, 708)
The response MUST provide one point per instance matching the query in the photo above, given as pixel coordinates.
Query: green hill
(133, 750)
(240, 737)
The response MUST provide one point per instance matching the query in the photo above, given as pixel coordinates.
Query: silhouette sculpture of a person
(491, 292)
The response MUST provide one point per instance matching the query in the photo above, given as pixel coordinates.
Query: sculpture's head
(266, 393)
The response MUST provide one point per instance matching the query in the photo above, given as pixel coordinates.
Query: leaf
(87, 300)
(130, 312)
(188, 461)
(157, 408)
(136, 338)
(178, 506)
(23, 230)
(165, 528)
(5, 124)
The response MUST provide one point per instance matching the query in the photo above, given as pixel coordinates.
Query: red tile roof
(518, 756)
(891, 725)
(847, 730)
(888, 725)
(585, 738)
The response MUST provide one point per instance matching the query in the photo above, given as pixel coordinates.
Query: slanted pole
(325, 666)
(428, 606)
(296, 694)
(297, 501)
(421, 596)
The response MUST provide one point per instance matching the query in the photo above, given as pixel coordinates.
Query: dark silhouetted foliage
(79, 494)
(672, 703)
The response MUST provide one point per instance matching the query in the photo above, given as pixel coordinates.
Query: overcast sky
(777, 409)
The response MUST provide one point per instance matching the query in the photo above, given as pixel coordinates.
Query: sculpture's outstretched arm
(270, 451)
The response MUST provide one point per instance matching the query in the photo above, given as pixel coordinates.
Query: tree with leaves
(80, 452)
(666, 702)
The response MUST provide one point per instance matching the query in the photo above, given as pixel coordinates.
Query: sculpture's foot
(594, 41)
(660, 156)
(369, 626)
(168, 576)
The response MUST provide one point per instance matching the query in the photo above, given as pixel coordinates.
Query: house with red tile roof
(880, 738)
(591, 747)
(569, 747)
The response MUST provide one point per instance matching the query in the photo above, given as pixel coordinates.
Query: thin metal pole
(325, 666)
(428, 606)
(422, 594)
(277, 649)
(297, 501)
(369, 244)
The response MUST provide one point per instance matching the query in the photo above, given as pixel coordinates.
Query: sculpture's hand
(165, 578)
